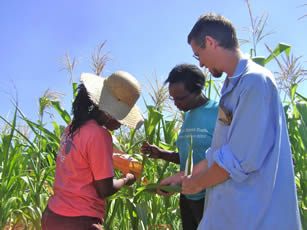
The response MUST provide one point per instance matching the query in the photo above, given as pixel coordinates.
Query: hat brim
(100, 95)
(123, 113)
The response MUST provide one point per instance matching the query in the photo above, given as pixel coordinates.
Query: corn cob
(127, 164)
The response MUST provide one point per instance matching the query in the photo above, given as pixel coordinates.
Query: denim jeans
(191, 212)
(53, 221)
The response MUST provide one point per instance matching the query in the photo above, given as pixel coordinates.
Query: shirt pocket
(224, 115)
(221, 133)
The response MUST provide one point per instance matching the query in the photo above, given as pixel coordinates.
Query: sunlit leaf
(62, 112)
(259, 60)
(281, 47)
(302, 108)
(293, 91)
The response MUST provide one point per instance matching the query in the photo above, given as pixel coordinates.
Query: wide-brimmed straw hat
(116, 95)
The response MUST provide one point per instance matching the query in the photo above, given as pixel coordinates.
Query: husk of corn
(165, 188)
(126, 164)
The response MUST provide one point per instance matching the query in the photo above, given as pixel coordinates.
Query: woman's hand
(130, 179)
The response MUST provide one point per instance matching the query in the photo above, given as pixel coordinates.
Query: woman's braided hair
(83, 109)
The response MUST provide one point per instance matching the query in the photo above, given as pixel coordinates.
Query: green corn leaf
(150, 124)
(217, 91)
(301, 96)
(75, 89)
(170, 131)
(57, 129)
(302, 128)
(132, 213)
(132, 134)
(189, 161)
(259, 60)
(293, 91)
(166, 188)
(281, 47)
(163, 170)
(142, 212)
(113, 209)
(63, 113)
(7, 145)
(44, 130)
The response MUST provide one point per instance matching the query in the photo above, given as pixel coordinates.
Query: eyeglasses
(179, 98)
(196, 57)
(200, 46)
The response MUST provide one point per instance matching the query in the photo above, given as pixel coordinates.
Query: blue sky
(143, 37)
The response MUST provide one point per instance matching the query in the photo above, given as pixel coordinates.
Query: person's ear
(211, 42)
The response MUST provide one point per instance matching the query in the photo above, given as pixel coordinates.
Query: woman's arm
(108, 186)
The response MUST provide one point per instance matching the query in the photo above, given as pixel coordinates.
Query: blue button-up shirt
(254, 148)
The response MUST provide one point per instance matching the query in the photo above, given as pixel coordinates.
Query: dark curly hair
(190, 75)
(83, 109)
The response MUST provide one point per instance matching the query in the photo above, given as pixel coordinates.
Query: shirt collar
(231, 82)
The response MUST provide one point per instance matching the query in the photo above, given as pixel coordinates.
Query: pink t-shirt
(80, 161)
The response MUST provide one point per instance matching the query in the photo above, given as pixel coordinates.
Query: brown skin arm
(157, 153)
(108, 186)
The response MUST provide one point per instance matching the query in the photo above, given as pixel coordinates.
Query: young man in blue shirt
(248, 173)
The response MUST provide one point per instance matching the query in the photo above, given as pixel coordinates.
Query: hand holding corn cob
(172, 181)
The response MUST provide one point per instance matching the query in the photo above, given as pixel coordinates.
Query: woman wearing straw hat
(84, 168)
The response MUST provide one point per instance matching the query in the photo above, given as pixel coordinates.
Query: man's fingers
(162, 193)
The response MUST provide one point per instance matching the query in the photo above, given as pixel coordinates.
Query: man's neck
(232, 58)
(199, 101)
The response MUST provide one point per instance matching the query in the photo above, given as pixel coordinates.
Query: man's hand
(171, 180)
(190, 185)
(203, 177)
(151, 150)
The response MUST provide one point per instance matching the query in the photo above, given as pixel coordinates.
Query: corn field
(27, 167)
(28, 154)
